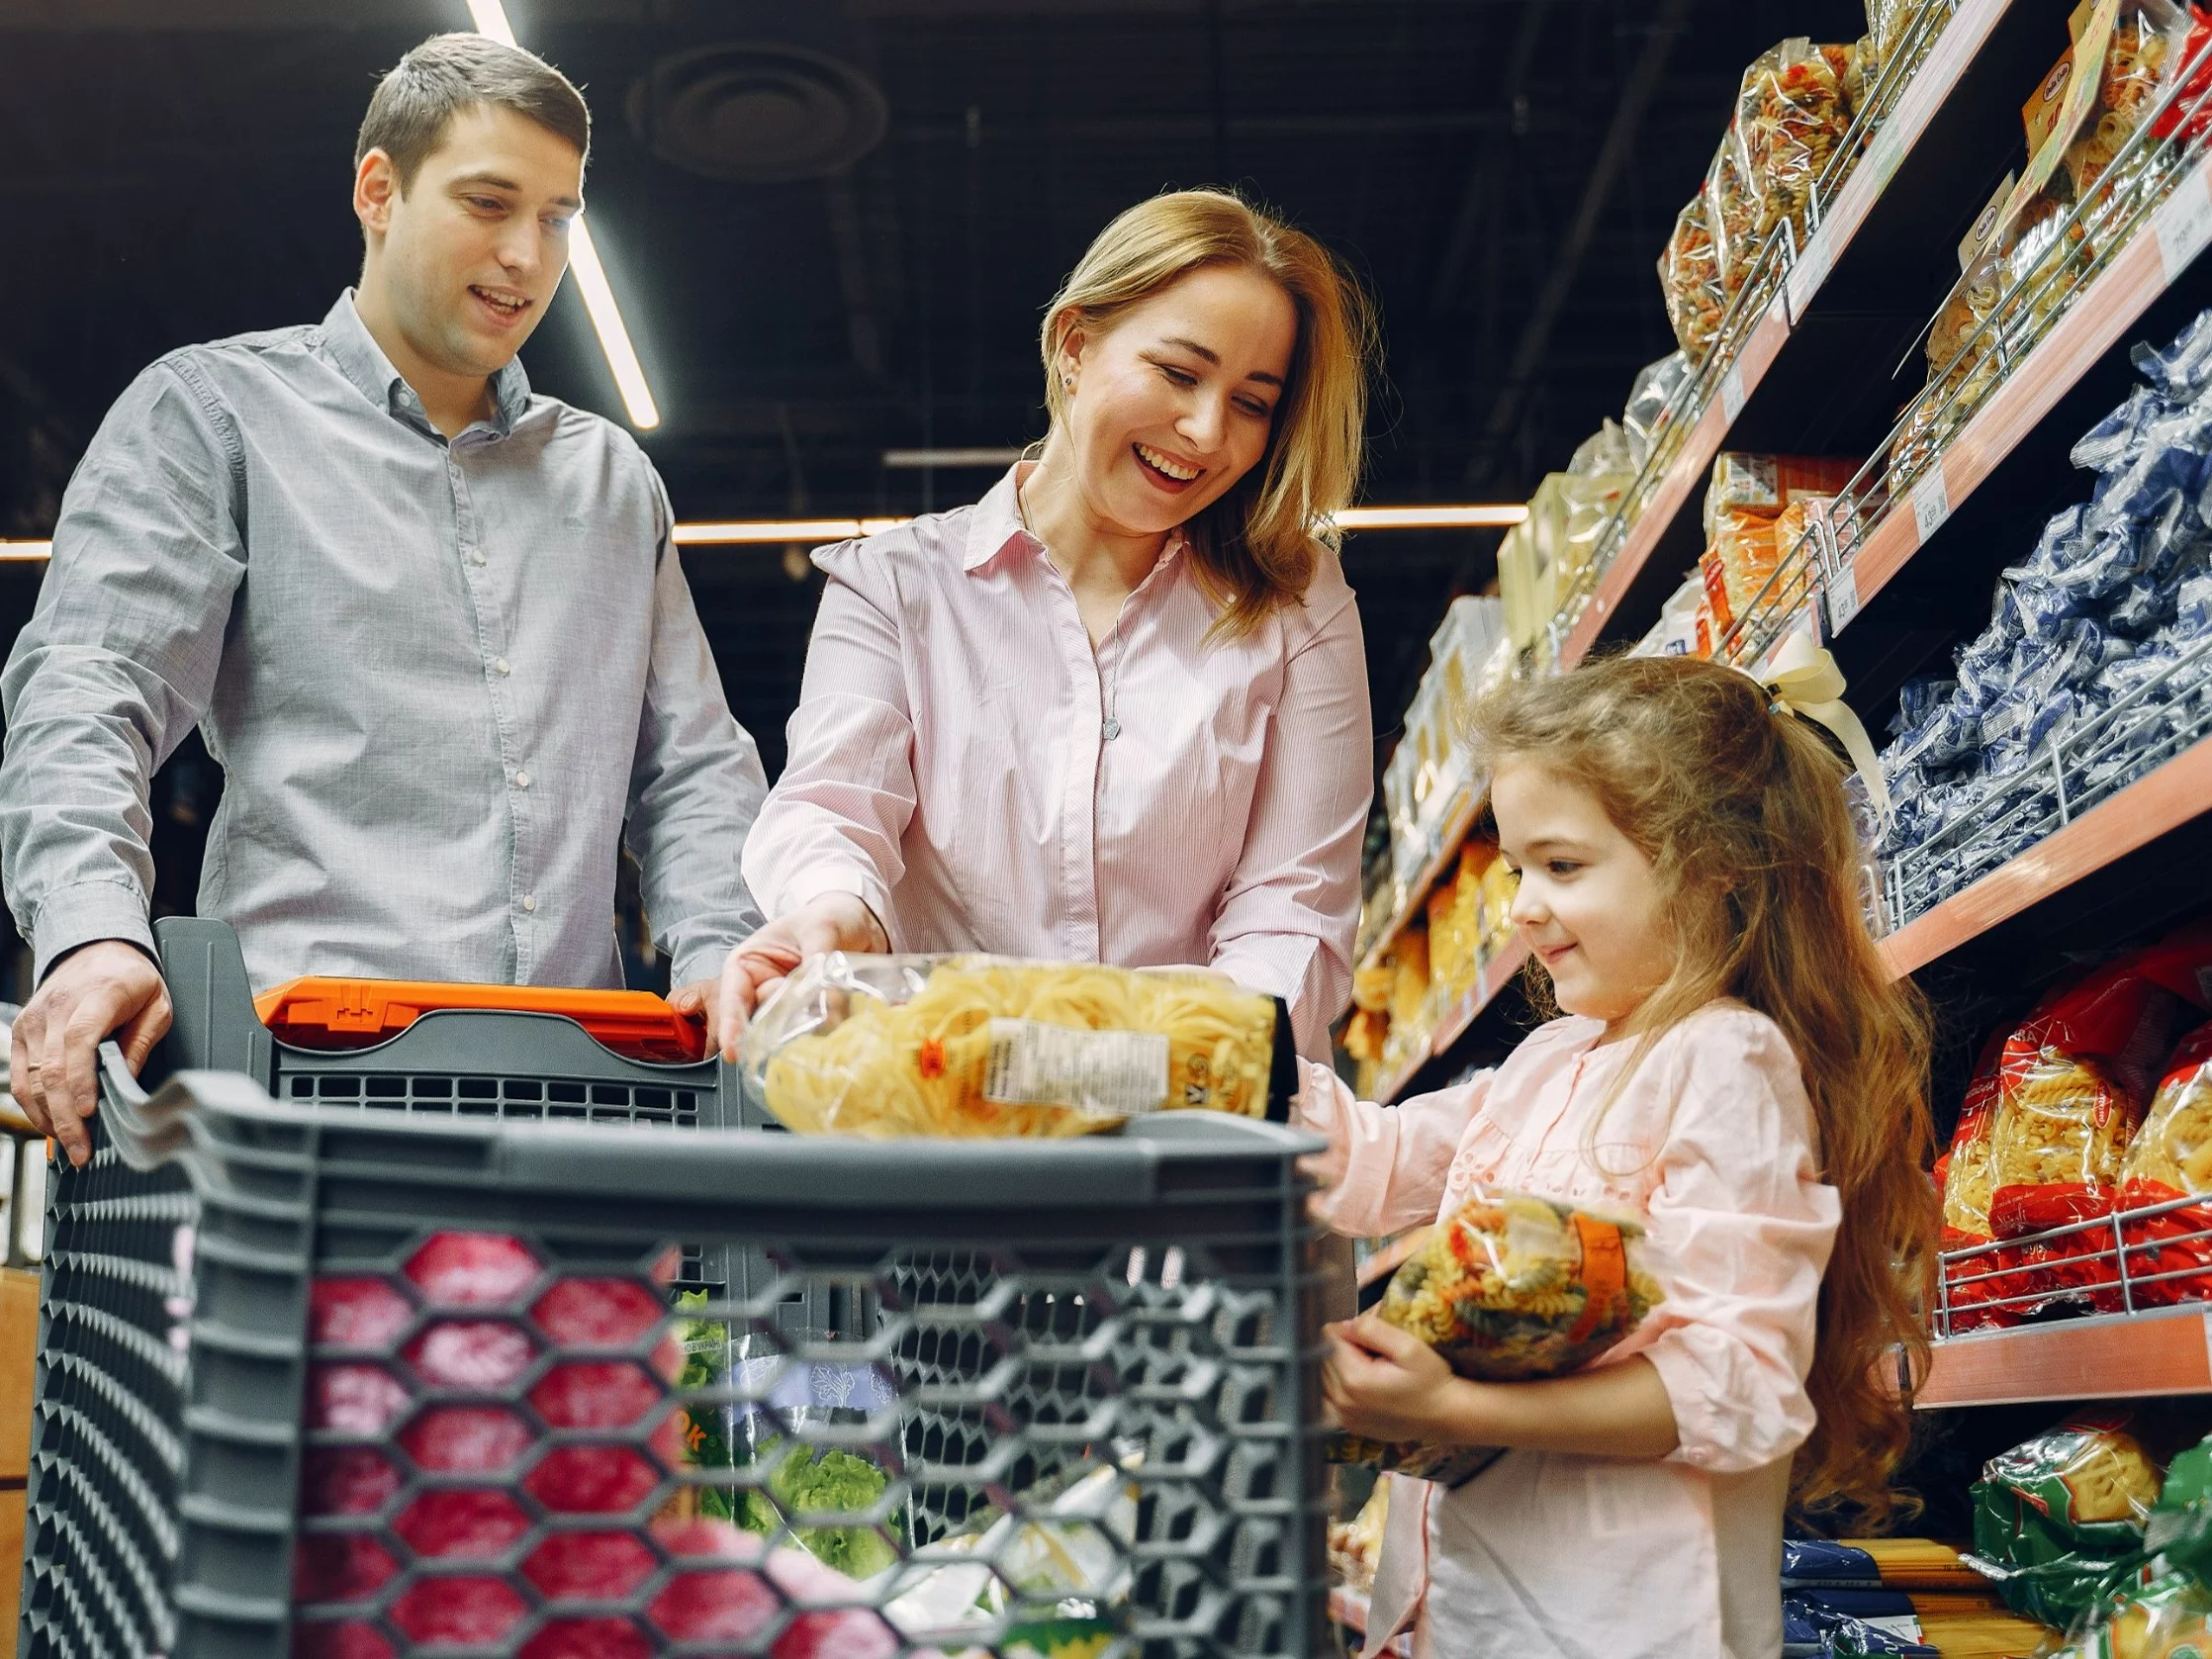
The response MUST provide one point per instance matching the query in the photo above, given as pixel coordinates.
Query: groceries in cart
(1509, 1287)
(972, 1047)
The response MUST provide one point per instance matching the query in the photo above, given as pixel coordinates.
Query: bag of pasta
(973, 1046)
(2073, 1084)
(2170, 1253)
(1689, 280)
(2058, 1520)
(1509, 1287)
(1792, 114)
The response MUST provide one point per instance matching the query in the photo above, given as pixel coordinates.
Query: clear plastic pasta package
(1791, 113)
(1511, 1287)
(2059, 1519)
(973, 1046)
(2170, 1253)
(1689, 280)
(1651, 408)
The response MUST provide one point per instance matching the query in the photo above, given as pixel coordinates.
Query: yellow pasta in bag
(987, 1048)
(2174, 1145)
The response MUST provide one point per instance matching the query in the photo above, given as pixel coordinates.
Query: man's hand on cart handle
(757, 968)
(101, 989)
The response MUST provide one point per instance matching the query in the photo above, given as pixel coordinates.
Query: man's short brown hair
(450, 73)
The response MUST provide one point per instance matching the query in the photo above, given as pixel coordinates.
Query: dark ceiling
(176, 170)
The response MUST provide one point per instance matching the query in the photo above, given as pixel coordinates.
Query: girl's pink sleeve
(1386, 1165)
(1743, 1226)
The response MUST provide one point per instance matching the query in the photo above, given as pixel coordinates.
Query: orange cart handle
(319, 1012)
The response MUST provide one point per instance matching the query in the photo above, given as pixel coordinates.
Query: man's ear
(376, 186)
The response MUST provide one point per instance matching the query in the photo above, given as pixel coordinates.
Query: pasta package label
(1102, 1073)
(970, 1047)
(1508, 1288)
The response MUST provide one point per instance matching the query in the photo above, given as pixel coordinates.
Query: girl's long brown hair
(1742, 811)
(1255, 545)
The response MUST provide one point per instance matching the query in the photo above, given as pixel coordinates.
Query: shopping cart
(358, 1382)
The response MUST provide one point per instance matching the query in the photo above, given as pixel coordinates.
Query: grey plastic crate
(1143, 1303)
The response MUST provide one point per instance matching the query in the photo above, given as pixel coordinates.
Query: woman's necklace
(1112, 727)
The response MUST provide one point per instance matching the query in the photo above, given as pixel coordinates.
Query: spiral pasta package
(2170, 1255)
(973, 1047)
(1511, 1287)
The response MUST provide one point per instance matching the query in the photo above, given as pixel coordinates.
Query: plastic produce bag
(967, 1046)
(2059, 1519)
(1508, 1288)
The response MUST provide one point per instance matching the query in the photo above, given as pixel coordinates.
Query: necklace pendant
(1111, 729)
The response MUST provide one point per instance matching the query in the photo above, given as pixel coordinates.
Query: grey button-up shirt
(445, 682)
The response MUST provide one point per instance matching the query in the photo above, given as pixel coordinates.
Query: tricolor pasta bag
(2169, 1259)
(1509, 1287)
(973, 1047)
(1791, 113)
(2059, 1519)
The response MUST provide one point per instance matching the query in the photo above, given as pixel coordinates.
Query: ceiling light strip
(489, 18)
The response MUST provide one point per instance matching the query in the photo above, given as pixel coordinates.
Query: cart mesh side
(431, 1390)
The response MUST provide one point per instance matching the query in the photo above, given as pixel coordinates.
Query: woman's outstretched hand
(757, 968)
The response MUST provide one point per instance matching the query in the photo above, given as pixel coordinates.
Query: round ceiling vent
(758, 112)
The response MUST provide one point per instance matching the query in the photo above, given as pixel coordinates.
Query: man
(430, 624)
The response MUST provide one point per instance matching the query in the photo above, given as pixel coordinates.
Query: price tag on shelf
(1843, 595)
(1807, 276)
(1931, 501)
(2183, 222)
(1731, 393)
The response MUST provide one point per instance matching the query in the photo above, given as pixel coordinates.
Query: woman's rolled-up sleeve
(1742, 1226)
(834, 819)
(1386, 1165)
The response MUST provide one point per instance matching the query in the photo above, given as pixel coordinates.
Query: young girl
(1735, 1067)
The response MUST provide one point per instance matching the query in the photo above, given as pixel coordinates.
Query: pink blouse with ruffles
(1712, 1143)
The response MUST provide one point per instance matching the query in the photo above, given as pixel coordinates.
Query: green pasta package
(987, 1048)
(1509, 1287)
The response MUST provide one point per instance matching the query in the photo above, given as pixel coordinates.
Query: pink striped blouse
(948, 765)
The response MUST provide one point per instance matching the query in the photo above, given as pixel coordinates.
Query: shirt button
(521, 779)
(476, 555)
(502, 665)
(529, 901)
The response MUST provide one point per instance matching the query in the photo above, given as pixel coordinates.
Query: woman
(1115, 710)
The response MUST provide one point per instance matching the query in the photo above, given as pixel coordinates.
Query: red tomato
(356, 1313)
(586, 1638)
(473, 1439)
(346, 1480)
(598, 1313)
(353, 1399)
(461, 1522)
(595, 1394)
(461, 1611)
(339, 1567)
(471, 1353)
(594, 1566)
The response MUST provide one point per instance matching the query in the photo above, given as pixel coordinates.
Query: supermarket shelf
(1497, 973)
(1495, 976)
(2097, 320)
(1767, 394)
(2170, 797)
(2115, 1357)
(1459, 818)
(1392, 1257)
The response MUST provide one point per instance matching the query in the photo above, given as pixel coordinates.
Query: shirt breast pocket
(1484, 1161)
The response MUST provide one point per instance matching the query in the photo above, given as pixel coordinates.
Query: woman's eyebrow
(1214, 357)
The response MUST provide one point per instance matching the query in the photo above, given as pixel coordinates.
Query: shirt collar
(996, 524)
(350, 345)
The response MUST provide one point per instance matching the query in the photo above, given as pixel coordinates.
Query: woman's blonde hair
(1742, 811)
(1255, 545)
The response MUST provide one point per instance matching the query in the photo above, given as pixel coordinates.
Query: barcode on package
(1102, 1073)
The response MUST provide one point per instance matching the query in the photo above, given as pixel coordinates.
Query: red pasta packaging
(2171, 1158)
(2071, 1087)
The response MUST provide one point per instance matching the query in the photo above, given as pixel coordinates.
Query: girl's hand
(1387, 1385)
